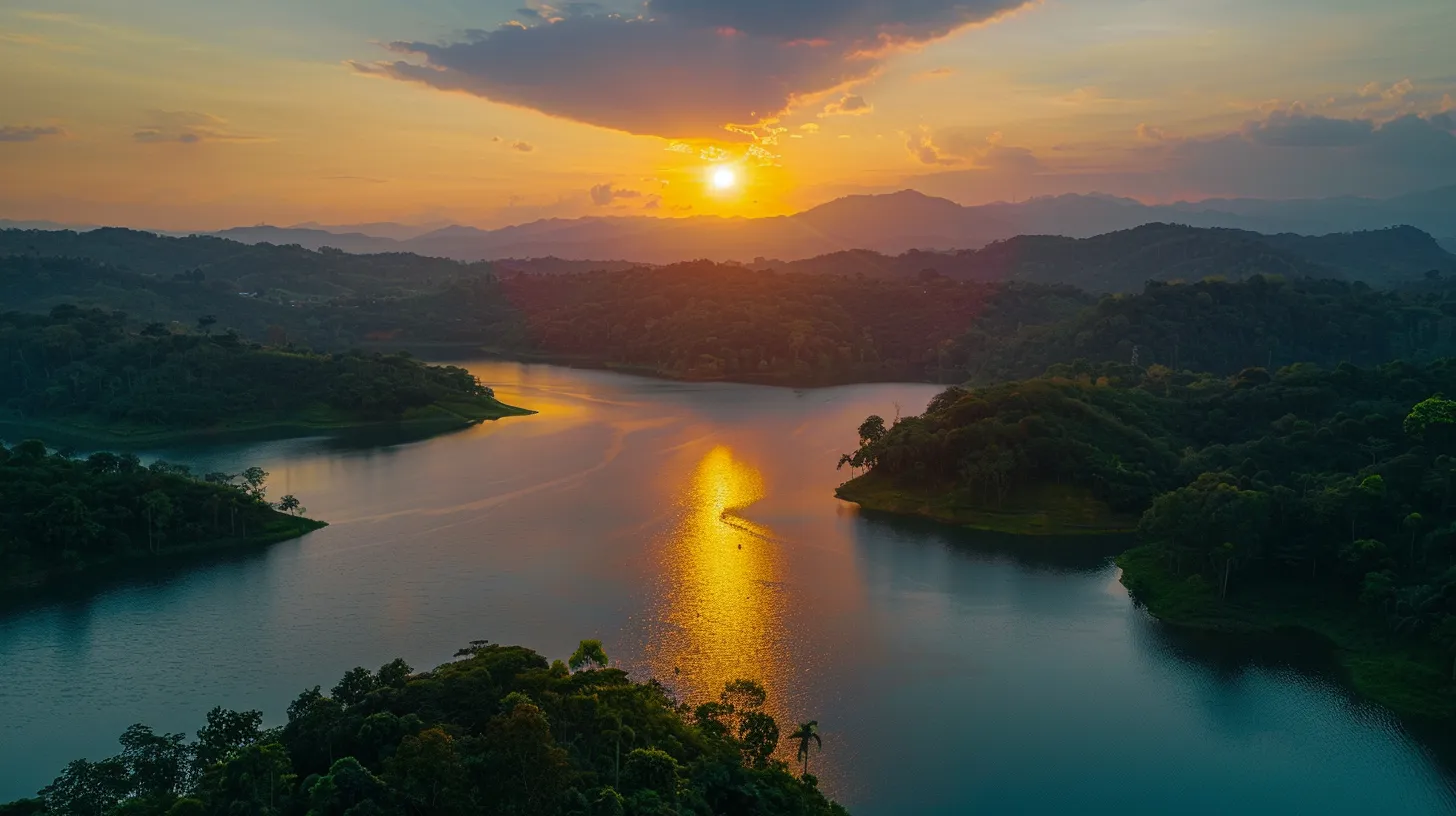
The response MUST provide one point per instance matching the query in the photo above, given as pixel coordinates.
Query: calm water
(693, 528)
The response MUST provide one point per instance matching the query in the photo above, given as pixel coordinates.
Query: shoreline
(283, 528)
(1072, 512)
(1412, 680)
(443, 417)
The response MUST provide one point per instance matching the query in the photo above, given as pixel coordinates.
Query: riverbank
(281, 528)
(439, 417)
(1044, 510)
(1409, 679)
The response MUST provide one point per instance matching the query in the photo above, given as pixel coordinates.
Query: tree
(1433, 420)
(158, 508)
(289, 504)
(227, 732)
(427, 773)
(205, 323)
(159, 765)
(394, 674)
(804, 735)
(87, 788)
(758, 734)
(354, 687)
(588, 655)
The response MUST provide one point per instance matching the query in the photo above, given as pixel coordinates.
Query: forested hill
(1223, 327)
(60, 516)
(501, 731)
(1124, 261)
(1309, 497)
(89, 369)
(703, 320)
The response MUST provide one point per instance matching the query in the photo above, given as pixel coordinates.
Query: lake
(693, 529)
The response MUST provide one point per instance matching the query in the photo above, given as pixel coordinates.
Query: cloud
(28, 133)
(848, 105)
(186, 127)
(604, 194)
(935, 73)
(1282, 154)
(920, 145)
(684, 68)
(1296, 129)
(963, 145)
(1149, 133)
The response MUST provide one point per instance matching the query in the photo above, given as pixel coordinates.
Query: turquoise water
(693, 529)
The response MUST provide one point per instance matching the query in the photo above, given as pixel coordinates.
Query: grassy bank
(280, 528)
(1413, 680)
(1043, 510)
(83, 430)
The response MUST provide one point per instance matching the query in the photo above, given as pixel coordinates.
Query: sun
(724, 178)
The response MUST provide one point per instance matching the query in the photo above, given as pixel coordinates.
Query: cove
(693, 529)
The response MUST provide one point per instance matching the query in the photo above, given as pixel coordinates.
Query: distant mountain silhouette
(890, 224)
(1123, 261)
(1120, 261)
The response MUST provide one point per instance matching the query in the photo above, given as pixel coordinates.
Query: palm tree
(805, 734)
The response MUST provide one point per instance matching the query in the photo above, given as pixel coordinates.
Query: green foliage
(1301, 482)
(495, 733)
(59, 514)
(86, 365)
(588, 655)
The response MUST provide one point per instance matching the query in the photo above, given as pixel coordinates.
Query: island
(64, 516)
(499, 730)
(90, 376)
(1304, 500)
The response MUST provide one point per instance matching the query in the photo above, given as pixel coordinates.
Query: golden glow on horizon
(722, 612)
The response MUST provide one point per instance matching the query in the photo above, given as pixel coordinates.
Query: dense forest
(61, 515)
(498, 731)
(92, 366)
(1223, 327)
(831, 320)
(1329, 490)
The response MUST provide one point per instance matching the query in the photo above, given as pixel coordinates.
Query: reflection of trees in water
(76, 596)
(1228, 660)
(1059, 554)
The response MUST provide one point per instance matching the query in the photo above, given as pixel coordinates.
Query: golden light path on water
(722, 606)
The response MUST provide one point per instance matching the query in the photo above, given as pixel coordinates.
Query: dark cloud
(604, 194)
(685, 68)
(861, 22)
(28, 133)
(1291, 155)
(1295, 129)
(1282, 155)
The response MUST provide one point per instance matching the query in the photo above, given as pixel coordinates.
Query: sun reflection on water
(721, 615)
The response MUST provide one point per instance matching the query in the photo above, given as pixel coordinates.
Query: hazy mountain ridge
(891, 224)
(1124, 260)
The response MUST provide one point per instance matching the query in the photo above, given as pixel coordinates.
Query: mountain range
(891, 224)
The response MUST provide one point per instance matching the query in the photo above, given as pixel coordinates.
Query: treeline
(92, 364)
(712, 321)
(1338, 479)
(500, 731)
(1224, 327)
(840, 321)
(60, 514)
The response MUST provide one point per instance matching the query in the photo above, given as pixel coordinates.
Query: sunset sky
(200, 114)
